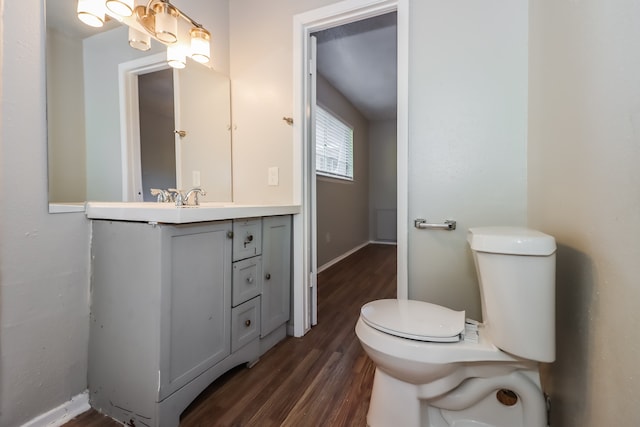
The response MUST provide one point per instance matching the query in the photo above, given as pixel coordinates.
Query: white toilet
(435, 369)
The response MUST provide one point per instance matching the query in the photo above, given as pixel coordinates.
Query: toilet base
(393, 403)
(473, 404)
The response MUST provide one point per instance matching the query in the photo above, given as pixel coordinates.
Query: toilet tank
(516, 272)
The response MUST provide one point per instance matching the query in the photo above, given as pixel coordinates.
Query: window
(334, 146)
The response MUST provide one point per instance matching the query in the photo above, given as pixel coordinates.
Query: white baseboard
(383, 242)
(63, 413)
(341, 257)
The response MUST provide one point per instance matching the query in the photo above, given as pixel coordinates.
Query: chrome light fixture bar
(160, 20)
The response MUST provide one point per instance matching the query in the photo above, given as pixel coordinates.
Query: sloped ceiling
(359, 59)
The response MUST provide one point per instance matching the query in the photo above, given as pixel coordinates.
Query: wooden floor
(321, 379)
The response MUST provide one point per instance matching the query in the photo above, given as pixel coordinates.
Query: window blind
(334, 146)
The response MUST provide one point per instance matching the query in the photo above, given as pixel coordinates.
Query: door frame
(304, 249)
(128, 73)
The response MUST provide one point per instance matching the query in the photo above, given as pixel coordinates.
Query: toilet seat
(415, 320)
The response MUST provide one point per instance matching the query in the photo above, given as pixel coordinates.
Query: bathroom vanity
(179, 299)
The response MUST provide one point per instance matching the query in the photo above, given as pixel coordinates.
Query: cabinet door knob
(230, 234)
(249, 279)
(247, 323)
(267, 276)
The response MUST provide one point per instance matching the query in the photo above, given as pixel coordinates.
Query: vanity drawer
(247, 238)
(245, 323)
(247, 279)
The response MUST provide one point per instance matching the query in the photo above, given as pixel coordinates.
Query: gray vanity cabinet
(171, 311)
(160, 315)
(276, 268)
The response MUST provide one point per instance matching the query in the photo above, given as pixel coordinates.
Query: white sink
(170, 213)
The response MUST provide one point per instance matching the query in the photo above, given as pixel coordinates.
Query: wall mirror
(120, 121)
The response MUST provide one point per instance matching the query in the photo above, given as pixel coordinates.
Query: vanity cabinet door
(276, 267)
(196, 330)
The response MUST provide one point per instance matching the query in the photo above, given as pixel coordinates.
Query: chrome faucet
(177, 196)
(182, 199)
(195, 191)
(162, 196)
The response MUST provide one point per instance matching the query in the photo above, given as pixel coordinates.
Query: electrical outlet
(273, 176)
(195, 177)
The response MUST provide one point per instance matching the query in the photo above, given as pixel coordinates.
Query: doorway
(157, 142)
(355, 138)
(305, 258)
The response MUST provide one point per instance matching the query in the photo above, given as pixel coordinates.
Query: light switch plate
(196, 178)
(273, 176)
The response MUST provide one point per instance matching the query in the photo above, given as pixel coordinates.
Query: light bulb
(91, 12)
(166, 22)
(121, 7)
(139, 40)
(176, 57)
(200, 47)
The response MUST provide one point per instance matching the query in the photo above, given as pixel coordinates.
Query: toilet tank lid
(511, 240)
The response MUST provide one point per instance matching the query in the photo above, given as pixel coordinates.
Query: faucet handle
(178, 197)
(162, 195)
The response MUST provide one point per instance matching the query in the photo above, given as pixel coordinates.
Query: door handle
(422, 224)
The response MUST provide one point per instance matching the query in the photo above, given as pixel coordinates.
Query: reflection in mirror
(95, 153)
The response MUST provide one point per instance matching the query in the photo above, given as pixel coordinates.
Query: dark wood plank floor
(321, 379)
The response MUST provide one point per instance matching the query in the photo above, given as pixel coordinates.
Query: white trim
(339, 258)
(303, 25)
(55, 208)
(353, 251)
(63, 413)
(403, 149)
(383, 242)
(130, 121)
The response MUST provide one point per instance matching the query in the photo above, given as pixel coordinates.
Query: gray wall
(65, 118)
(383, 180)
(44, 259)
(343, 206)
(102, 54)
(584, 188)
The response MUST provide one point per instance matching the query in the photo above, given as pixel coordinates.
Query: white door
(313, 262)
(467, 138)
(203, 141)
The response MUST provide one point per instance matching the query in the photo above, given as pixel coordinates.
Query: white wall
(467, 137)
(262, 87)
(65, 119)
(343, 206)
(102, 54)
(44, 258)
(44, 322)
(584, 188)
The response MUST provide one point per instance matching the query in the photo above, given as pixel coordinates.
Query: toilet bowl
(435, 369)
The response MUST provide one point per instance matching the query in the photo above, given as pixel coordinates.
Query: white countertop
(169, 213)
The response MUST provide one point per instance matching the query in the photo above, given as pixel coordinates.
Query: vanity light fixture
(159, 20)
(166, 22)
(121, 7)
(176, 57)
(139, 40)
(91, 12)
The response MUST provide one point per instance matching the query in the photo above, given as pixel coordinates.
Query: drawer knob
(247, 323)
(267, 276)
(249, 279)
